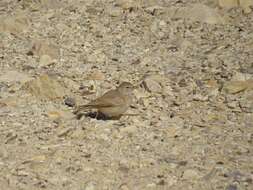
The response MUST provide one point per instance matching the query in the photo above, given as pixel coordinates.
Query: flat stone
(228, 3)
(14, 25)
(46, 60)
(191, 174)
(201, 13)
(246, 5)
(41, 48)
(153, 83)
(70, 102)
(129, 129)
(115, 11)
(127, 4)
(231, 187)
(14, 76)
(233, 87)
(45, 87)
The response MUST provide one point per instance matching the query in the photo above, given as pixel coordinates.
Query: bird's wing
(109, 99)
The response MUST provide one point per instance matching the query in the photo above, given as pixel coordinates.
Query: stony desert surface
(191, 123)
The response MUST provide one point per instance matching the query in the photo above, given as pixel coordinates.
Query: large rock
(127, 4)
(14, 24)
(201, 13)
(41, 48)
(228, 3)
(45, 87)
(244, 4)
(233, 87)
(38, 5)
(14, 76)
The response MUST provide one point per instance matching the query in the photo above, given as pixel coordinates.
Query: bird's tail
(81, 108)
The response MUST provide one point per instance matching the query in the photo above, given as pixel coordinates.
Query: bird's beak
(136, 87)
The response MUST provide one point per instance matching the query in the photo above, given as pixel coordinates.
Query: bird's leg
(97, 114)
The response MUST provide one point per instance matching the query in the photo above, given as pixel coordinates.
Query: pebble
(70, 101)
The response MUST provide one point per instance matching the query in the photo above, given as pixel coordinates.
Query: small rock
(127, 4)
(45, 87)
(151, 84)
(232, 104)
(123, 187)
(200, 97)
(46, 60)
(70, 102)
(153, 9)
(90, 186)
(115, 11)
(231, 187)
(129, 129)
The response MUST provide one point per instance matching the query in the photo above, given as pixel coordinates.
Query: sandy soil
(191, 124)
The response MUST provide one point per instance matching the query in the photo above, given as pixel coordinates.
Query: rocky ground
(190, 127)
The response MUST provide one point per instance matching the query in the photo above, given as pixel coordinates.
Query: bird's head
(126, 88)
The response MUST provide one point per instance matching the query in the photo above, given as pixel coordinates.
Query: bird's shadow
(95, 115)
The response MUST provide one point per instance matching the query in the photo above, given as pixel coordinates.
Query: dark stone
(70, 102)
(231, 187)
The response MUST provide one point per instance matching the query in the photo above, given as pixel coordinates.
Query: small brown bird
(113, 103)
